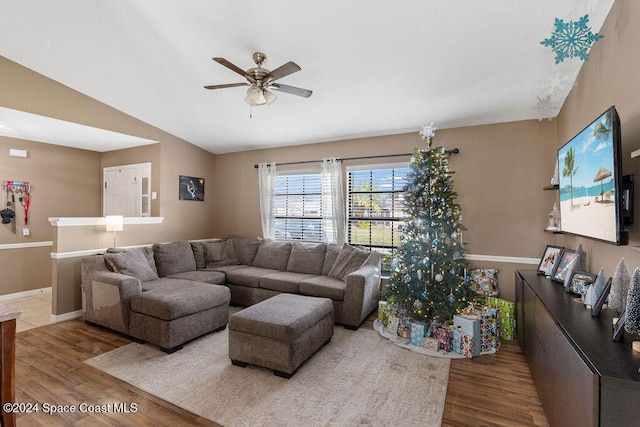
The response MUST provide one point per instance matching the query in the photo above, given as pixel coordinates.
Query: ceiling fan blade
(282, 71)
(234, 68)
(226, 85)
(291, 90)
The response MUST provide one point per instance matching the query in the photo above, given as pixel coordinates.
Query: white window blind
(298, 207)
(375, 207)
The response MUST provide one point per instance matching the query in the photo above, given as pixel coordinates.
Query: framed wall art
(549, 260)
(580, 282)
(191, 188)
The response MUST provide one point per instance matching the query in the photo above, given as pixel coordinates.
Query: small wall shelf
(552, 187)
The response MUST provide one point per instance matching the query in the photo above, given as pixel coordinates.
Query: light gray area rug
(359, 378)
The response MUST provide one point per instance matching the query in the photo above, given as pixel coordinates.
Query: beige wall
(610, 77)
(499, 176)
(67, 182)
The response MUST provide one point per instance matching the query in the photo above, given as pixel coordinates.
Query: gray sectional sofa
(171, 293)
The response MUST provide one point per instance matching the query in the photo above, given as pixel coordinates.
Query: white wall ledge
(25, 245)
(84, 221)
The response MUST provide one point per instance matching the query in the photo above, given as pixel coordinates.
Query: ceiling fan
(260, 80)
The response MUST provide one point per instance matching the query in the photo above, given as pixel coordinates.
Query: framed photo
(549, 260)
(597, 308)
(580, 282)
(564, 265)
(191, 188)
(618, 328)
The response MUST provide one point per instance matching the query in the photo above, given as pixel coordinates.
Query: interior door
(122, 192)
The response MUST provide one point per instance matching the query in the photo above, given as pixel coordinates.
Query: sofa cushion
(323, 286)
(132, 262)
(333, 249)
(246, 248)
(219, 254)
(226, 268)
(307, 258)
(249, 276)
(204, 276)
(283, 317)
(180, 301)
(160, 283)
(173, 258)
(199, 254)
(273, 254)
(283, 281)
(349, 260)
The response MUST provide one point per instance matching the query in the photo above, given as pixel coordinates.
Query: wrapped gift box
(457, 340)
(404, 328)
(431, 344)
(507, 317)
(417, 333)
(392, 325)
(472, 326)
(467, 345)
(383, 312)
(445, 339)
(485, 281)
(489, 328)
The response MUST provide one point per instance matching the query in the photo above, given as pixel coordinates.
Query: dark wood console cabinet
(583, 377)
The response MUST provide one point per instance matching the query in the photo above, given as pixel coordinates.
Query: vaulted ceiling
(375, 67)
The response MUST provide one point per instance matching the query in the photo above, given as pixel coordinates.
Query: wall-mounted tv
(590, 173)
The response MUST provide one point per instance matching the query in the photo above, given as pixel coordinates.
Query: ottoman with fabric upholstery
(280, 333)
(170, 315)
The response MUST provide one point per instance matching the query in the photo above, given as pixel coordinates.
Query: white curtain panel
(333, 218)
(267, 187)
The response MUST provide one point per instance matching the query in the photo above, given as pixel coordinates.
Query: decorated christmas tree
(632, 324)
(620, 287)
(428, 271)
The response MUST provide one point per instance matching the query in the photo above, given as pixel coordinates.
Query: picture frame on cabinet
(580, 282)
(597, 308)
(618, 328)
(563, 266)
(550, 259)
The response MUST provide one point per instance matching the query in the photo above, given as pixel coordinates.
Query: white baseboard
(24, 294)
(66, 316)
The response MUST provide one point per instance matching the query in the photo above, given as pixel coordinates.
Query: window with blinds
(375, 208)
(297, 207)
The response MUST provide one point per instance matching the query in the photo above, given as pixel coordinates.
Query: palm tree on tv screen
(569, 171)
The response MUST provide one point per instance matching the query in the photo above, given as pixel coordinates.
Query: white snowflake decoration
(546, 108)
(571, 39)
(428, 131)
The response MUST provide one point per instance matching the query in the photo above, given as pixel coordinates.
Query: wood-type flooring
(493, 390)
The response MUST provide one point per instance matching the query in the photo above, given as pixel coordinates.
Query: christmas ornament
(571, 39)
(439, 277)
(428, 131)
(451, 297)
(417, 304)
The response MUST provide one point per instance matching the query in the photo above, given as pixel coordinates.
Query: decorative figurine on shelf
(555, 180)
(554, 218)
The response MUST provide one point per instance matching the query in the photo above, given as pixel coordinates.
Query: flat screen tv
(590, 180)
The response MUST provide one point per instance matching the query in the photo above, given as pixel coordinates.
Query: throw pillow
(219, 254)
(273, 254)
(199, 254)
(174, 258)
(131, 263)
(307, 258)
(349, 260)
(333, 249)
(246, 248)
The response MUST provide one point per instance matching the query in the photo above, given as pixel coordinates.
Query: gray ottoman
(281, 332)
(174, 314)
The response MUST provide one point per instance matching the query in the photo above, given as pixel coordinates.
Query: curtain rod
(449, 152)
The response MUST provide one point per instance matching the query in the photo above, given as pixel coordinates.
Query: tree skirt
(404, 343)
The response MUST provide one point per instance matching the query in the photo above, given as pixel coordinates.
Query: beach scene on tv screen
(587, 182)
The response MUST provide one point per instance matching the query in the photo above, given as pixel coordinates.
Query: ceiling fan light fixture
(269, 96)
(255, 96)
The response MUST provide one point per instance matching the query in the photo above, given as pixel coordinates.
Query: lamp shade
(115, 222)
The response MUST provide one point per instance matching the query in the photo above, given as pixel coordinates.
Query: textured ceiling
(376, 67)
